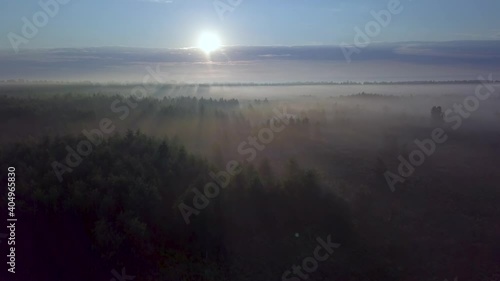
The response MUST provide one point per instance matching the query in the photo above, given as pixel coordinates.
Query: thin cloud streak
(379, 62)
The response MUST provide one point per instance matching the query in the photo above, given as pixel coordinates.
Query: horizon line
(252, 46)
(20, 82)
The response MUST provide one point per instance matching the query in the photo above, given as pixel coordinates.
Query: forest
(106, 182)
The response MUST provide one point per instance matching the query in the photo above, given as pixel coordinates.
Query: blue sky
(153, 24)
(116, 40)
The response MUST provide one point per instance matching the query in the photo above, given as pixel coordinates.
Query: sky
(265, 40)
(177, 24)
(456, 60)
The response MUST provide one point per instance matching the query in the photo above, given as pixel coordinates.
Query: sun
(209, 42)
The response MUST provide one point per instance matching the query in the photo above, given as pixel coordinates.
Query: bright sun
(209, 42)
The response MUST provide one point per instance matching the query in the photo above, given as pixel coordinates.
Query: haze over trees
(322, 175)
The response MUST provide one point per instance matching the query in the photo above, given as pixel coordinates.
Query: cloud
(381, 61)
(274, 56)
(458, 51)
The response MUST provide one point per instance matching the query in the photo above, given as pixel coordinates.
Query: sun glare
(209, 42)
